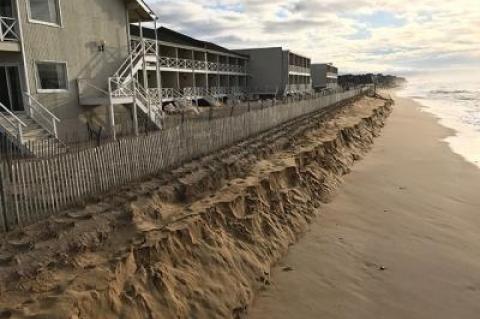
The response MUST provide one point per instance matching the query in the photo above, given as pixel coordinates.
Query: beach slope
(401, 239)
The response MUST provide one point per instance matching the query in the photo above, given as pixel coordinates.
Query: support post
(194, 79)
(111, 113)
(157, 66)
(134, 96)
(208, 71)
(177, 73)
(3, 198)
(145, 74)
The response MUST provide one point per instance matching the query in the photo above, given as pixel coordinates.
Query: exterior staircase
(123, 87)
(28, 130)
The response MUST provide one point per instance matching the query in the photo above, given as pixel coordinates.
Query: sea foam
(457, 105)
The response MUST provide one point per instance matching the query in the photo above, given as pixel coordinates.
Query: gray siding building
(324, 76)
(47, 48)
(191, 69)
(275, 71)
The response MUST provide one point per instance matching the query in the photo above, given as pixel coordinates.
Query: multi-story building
(275, 72)
(53, 53)
(189, 69)
(324, 76)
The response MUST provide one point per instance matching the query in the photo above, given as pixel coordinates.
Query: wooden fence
(34, 189)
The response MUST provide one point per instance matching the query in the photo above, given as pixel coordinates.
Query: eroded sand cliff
(195, 243)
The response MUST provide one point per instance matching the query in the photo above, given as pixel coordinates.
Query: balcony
(300, 70)
(192, 93)
(180, 64)
(9, 39)
(199, 66)
(332, 75)
(298, 88)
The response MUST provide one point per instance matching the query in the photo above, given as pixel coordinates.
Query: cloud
(358, 35)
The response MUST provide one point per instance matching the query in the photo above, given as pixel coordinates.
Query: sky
(404, 37)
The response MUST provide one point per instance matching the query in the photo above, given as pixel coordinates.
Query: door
(10, 88)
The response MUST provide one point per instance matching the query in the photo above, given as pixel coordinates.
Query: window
(46, 11)
(52, 76)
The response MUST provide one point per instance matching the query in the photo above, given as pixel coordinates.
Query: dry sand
(401, 239)
(196, 243)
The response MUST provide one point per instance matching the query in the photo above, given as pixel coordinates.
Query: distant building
(274, 71)
(324, 76)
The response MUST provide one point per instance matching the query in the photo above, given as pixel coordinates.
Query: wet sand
(400, 240)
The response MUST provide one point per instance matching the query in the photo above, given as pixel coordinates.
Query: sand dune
(198, 242)
(401, 239)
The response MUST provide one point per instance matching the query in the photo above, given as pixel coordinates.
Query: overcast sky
(400, 36)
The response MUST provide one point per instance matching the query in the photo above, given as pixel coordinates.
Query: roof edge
(147, 8)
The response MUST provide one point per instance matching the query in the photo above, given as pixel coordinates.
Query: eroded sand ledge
(199, 247)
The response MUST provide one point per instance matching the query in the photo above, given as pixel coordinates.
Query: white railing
(150, 45)
(120, 87)
(200, 65)
(155, 95)
(42, 115)
(236, 90)
(332, 75)
(215, 91)
(298, 69)
(133, 58)
(142, 95)
(7, 29)
(197, 65)
(152, 107)
(16, 125)
(194, 92)
(168, 93)
(298, 88)
(189, 92)
(212, 66)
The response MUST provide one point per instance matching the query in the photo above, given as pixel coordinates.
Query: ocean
(457, 106)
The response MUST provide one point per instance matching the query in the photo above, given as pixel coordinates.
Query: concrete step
(34, 136)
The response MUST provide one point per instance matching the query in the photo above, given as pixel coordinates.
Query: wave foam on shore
(457, 106)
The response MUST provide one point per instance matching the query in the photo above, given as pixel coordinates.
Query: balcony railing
(190, 93)
(197, 65)
(332, 75)
(181, 63)
(298, 69)
(298, 88)
(8, 29)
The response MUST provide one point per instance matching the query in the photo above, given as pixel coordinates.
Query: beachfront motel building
(191, 68)
(80, 66)
(59, 64)
(278, 72)
(324, 76)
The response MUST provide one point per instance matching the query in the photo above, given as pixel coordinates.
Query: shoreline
(460, 140)
(399, 240)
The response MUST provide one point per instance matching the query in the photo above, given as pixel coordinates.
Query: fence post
(3, 199)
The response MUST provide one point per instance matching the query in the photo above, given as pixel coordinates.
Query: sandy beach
(400, 240)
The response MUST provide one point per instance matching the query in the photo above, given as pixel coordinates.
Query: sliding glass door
(11, 88)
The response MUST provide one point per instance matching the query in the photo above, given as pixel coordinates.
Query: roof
(140, 11)
(168, 35)
(327, 66)
(273, 48)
